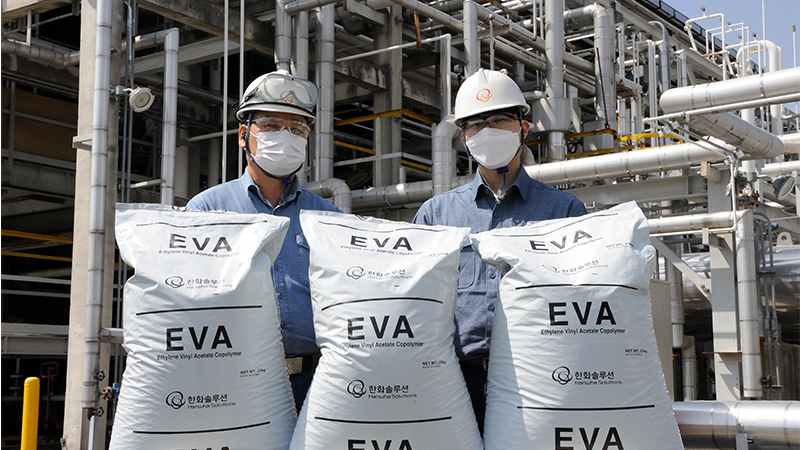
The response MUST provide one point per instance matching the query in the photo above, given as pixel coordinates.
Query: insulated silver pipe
(762, 425)
(336, 188)
(443, 155)
(747, 306)
(324, 73)
(283, 40)
(781, 168)
(170, 115)
(689, 365)
(472, 47)
(764, 86)
(300, 65)
(97, 210)
(554, 81)
(746, 137)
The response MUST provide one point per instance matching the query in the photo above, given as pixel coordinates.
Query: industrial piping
(97, 217)
(761, 425)
(171, 39)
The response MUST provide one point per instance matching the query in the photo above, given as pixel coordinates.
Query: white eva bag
(573, 360)
(205, 364)
(384, 297)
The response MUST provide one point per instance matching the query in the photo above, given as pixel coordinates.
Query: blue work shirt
(474, 206)
(290, 270)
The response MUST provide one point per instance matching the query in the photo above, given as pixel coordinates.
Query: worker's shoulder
(216, 197)
(310, 200)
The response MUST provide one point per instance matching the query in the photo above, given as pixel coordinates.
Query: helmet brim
(241, 114)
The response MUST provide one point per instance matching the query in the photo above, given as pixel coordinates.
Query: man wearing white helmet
(490, 111)
(275, 116)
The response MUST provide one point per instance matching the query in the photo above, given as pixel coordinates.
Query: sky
(779, 17)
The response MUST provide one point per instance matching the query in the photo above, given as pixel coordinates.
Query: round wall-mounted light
(141, 99)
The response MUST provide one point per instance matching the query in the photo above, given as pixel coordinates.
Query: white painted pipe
(169, 116)
(97, 208)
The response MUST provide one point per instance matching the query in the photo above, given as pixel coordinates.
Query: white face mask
(493, 148)
(280, 153)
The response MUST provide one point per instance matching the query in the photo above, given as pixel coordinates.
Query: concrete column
(76, 425)
(387, 130)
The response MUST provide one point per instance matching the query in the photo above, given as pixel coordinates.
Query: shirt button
(496, 214)
(281, 295)
(277, 267)
(283, 325)
(493, 275)
(491, 306)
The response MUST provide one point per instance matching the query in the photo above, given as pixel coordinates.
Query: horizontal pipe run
(766, 424)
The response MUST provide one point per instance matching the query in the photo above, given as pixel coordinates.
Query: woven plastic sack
(205, 365)
(384, 297)
(573, 360)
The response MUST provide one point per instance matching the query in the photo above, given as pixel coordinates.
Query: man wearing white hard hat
(275, 114)
(490, 111)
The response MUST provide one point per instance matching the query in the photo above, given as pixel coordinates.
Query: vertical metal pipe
(472, 47)
(283, 42)
(689, 366)
(443, 155)
(300, 68)
(747, 307)
(97, 211)
(324, 123)
(446, 78)
(170, 116)
(554, 59)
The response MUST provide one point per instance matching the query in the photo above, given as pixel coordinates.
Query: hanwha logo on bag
(355, 272)
(175, 399)
(562, 375)
(175, 282)
(484, 95)
(356, 388)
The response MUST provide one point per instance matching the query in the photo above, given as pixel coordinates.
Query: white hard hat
(488, 90)
(279, 92)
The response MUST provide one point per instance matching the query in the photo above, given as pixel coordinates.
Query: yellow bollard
(30, 414)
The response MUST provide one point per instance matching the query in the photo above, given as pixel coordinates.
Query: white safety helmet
(279, 92)
(488, 90)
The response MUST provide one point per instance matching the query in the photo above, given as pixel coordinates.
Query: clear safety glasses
(502, 121)
(273, 124)
(280, 88)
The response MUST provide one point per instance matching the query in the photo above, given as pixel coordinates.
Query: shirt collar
(289, 194)
(522, 184)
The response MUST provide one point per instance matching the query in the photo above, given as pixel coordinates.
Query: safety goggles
(274, 124)
(503, 121)
(280, 88)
